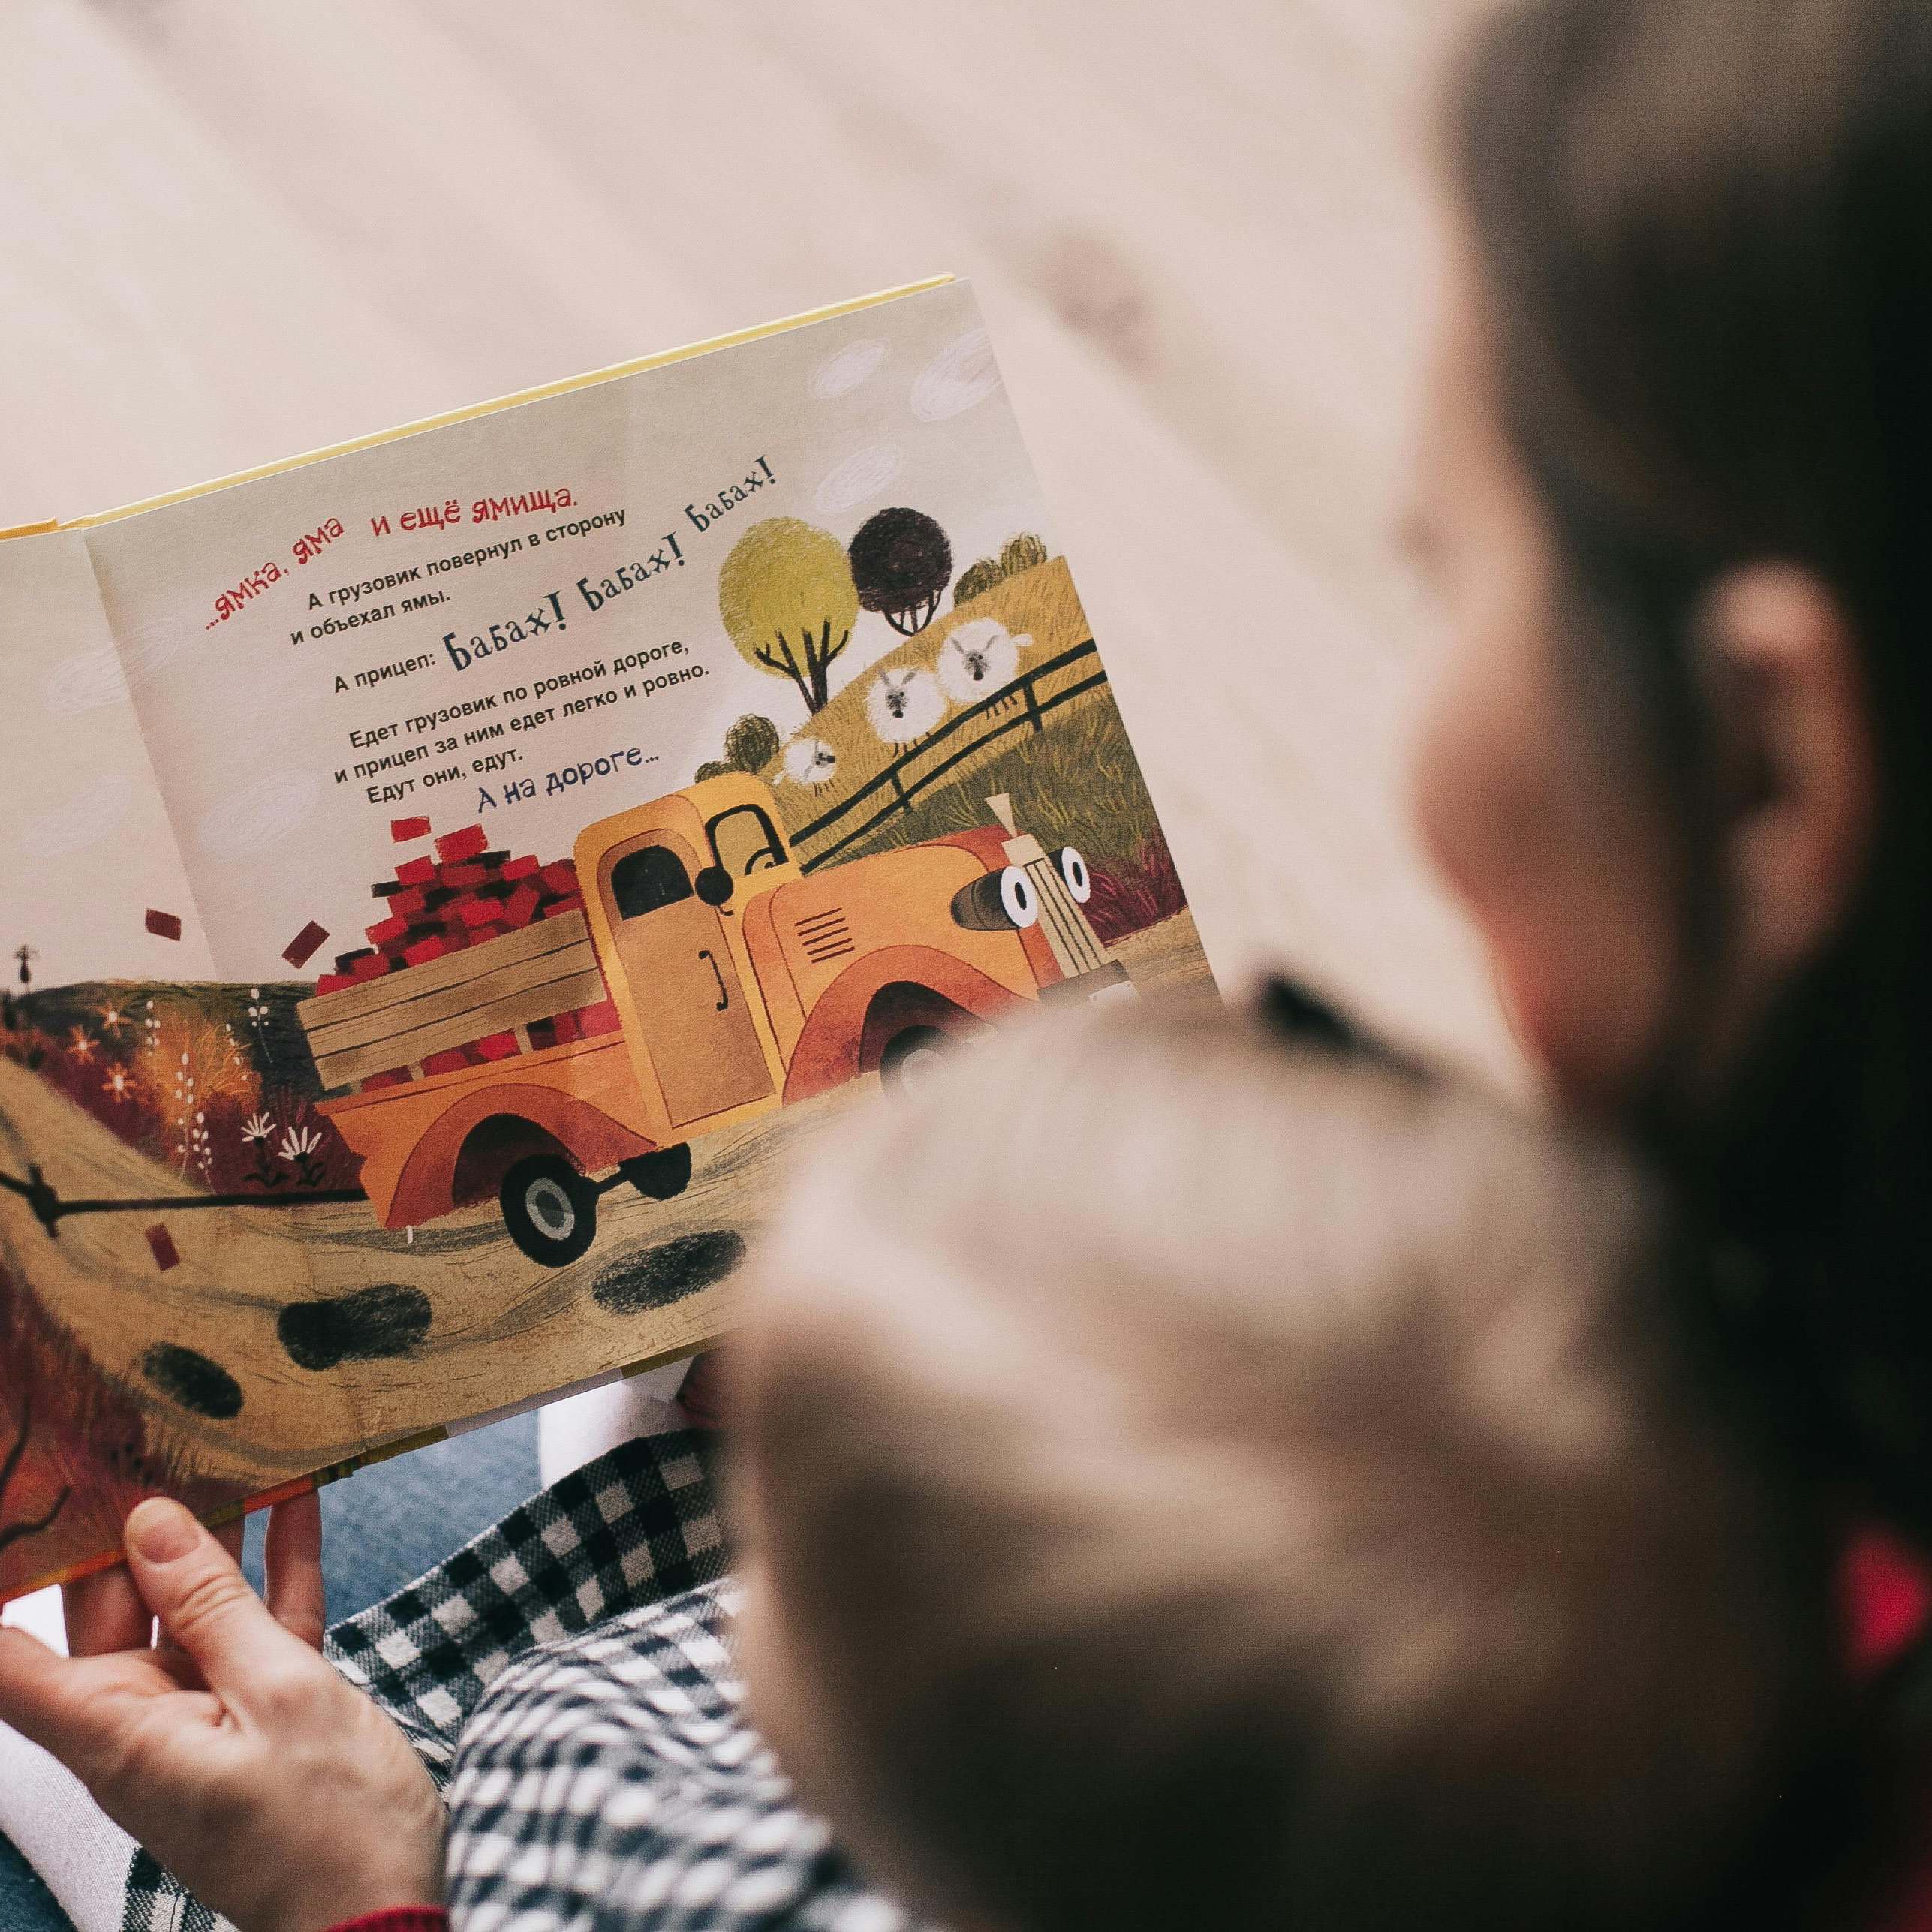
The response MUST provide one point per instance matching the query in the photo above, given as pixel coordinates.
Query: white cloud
(91, 679)
(863, 474)
(84, 819)
(844, 369)
(259, 814)
(963, 373)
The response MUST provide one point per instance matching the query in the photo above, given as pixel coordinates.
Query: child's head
(1195, 1482)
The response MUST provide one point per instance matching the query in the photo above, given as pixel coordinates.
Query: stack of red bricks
(458, 893)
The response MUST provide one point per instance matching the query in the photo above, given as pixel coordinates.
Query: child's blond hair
(1214, 1483)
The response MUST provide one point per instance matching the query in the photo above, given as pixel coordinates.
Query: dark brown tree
(901, 562)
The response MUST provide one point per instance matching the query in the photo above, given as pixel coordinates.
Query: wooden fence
(1017, 706)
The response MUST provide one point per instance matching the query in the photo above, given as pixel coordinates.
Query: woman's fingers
(76, 1707)
(293, 1559)
(33, 1695)
(204, 1601)
(105, 1612)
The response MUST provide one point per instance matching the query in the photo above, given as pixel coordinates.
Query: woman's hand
(276, 1792)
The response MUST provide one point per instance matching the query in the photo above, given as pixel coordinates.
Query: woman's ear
(1798, 744)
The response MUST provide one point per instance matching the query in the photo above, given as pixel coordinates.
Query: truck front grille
(1076, 949)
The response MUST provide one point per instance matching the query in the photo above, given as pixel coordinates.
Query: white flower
(298, 1143)
(257, 1127)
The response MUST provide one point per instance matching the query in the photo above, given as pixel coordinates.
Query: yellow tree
(788, 599)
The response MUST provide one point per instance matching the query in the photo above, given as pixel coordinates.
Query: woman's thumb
(204, 1601)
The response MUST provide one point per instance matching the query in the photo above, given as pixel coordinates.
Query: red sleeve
(399, 1918)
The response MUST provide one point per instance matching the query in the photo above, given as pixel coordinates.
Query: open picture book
(442, 876)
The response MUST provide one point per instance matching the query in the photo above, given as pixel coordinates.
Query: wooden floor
(229, 231)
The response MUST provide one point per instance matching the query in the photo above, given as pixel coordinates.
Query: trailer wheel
(662, 1174)
(550, 1208)
(913, 1056)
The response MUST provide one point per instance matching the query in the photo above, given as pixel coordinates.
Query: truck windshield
(744, 840)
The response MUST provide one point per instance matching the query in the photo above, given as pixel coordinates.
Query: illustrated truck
(705, 980)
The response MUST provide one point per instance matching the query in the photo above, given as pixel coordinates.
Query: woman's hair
(1704, 227)
(1208, 1483)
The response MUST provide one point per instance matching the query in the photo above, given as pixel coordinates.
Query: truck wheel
(550, 1209)
(912, 1057)
(659, 1175)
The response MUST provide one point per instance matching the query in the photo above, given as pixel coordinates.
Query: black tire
(912, 1056)
(661, 1175)
(550, 1208)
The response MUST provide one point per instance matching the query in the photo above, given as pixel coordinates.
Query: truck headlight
(1074, 875)
(1002, 901)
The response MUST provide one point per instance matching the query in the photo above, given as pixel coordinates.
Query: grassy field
(1076, 782)
(1073, 781)
(1040, 602)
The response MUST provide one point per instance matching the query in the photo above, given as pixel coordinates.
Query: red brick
(384, 931)
(417, 871)
(601, 1019)
(561, 878)
(520, 868)
(498, 1046)
(447, 1061)
(479, 912)
(558, 908)
(403, 828)
(566, 1027)
(396, 1076)
(464, 877)
(334, 983)
(306, 943)
(372, 966)
(466, 844)
(482, 935)
(163, 925)
(424, 950)
(160, 1245)
(407, 903)
(520, 908)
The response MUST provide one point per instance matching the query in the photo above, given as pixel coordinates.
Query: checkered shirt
(603, 1778)
(609, 1784)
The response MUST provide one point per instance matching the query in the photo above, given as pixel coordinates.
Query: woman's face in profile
(1557, 853)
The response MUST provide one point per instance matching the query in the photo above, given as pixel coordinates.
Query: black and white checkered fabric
(610, 1784)
(635, 1528)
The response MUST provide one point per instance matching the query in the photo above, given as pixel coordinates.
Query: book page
(112, 1056)
(587, 801)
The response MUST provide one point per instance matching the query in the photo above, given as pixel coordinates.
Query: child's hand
(276, 1793)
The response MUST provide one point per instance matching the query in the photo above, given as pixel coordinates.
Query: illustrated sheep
(904, 705)
(810, 761)
(978, 658)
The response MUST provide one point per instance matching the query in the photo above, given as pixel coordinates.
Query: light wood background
(229, 231)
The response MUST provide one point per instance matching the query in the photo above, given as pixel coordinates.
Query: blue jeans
(382, 1528)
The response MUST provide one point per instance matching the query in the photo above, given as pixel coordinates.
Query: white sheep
(810, 761)
(904, 705)
(978, 658)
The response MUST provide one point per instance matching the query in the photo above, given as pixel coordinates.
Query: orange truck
(735, 983)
